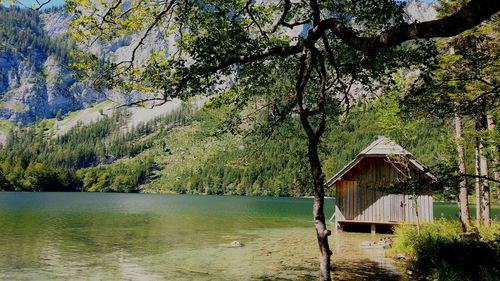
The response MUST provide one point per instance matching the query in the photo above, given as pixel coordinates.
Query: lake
(90, 236)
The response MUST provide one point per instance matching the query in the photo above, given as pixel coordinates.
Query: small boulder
(235, 244)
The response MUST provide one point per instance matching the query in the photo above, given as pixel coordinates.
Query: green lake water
(88, 236)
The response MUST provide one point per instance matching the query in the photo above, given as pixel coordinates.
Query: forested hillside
(276, 166)
(36, 158)
(21, 32)
(184, 152)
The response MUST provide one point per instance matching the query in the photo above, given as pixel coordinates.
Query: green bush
(441, 253)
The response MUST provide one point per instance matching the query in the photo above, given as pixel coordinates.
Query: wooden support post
(374, 229)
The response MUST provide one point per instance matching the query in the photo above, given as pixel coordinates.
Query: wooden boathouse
(382, 163)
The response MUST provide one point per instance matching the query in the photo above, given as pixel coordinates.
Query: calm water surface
(88, 236)
(450, 211)
(61, 236)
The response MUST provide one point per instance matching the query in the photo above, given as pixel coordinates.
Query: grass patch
(71, 115)
(100, 106)
(15, 107)
(6, 126)
(441, 253)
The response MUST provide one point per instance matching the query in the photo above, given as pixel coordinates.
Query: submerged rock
(235, 244)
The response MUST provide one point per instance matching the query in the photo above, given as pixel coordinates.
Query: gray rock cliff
(37, 85)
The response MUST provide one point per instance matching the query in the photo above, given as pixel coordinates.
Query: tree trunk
(462, 197)
(313, 140)
(415, 205)
(483, 172)
(318, 211)
(322, 233)
(477, 182)
(485, 188)
(496, 158)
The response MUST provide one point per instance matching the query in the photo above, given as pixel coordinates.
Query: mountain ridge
(35, 82)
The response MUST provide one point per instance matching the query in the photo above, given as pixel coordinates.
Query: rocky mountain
(35, 82)
(421, 11)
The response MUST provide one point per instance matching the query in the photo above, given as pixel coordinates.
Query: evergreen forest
(185, 152)
(21, 33)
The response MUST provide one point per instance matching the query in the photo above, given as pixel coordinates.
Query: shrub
(441, 254)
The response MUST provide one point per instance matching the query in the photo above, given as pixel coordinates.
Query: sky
(53, 3)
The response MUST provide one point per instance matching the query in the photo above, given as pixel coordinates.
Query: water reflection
(134, 237)
(354, 259)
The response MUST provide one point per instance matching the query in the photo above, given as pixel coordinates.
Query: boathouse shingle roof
(382, 147)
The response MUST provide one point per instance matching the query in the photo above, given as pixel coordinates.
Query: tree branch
(471, 15)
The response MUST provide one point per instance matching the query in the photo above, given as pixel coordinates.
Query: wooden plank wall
(357, 203)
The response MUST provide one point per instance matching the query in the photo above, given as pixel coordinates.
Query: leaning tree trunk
(314, 134)
(463, 198)
(483, 172)
(318, 211)
(322, 233)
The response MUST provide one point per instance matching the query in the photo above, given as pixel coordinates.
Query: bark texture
(483, 172)
(463, 192)
(322, 232)
(477, 182)
(318, 214)
(496, 158)
(314, 134)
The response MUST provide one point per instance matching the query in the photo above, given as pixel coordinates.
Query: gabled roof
(384, 146)
(380, 148)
